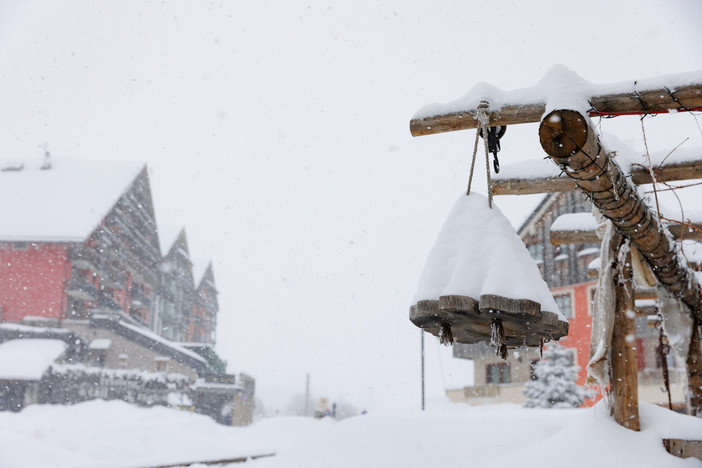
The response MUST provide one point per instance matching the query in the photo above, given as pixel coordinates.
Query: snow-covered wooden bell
(480, 284)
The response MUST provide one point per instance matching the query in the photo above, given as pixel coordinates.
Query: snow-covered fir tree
(554, 381)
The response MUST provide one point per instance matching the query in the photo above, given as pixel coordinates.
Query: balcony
(85, 258)
(81, 289)
(139, 299)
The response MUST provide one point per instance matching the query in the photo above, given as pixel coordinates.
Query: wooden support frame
(624, 378)
(569, 139)
(692, 231)
(685, 170)
(651, 101)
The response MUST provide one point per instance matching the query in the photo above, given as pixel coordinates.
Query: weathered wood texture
(668, 172)
(650, 101)
(692, 231)
(684, 448)
(518, 186)
(624, 379)
(694, 374)
(470, 321)
(571, 142)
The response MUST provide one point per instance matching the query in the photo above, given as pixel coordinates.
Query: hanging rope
(472, 164)
(483, 117)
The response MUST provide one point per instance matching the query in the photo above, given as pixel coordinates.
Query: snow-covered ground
(115, 434)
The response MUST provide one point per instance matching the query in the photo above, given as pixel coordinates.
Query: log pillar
(571, 142)
(624, 388)
(694, 373)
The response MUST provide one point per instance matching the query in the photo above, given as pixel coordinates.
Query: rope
(483, 117)
(472, 165)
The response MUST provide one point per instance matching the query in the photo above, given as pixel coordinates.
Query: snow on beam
(579, 228)
(550, 180)
(634, 102)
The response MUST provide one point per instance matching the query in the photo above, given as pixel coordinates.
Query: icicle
(445, 335)
(497, 339)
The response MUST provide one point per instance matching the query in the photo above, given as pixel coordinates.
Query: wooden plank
(653, 101)
(692, 231)
(517, 186)
(684, 448)
(669, 172)
(624, 382)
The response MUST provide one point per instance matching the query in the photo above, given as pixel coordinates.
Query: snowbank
(114, 434)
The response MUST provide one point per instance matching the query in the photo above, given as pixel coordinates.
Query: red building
(77, 236)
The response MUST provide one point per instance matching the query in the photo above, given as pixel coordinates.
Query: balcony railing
(81, 289)
(139, 299)
(85, 257)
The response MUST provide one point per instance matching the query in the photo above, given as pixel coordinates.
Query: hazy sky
(277, 134)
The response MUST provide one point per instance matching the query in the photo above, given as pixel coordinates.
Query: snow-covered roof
(199, 269)
(100, 343)
(28, 359)
(64, 203)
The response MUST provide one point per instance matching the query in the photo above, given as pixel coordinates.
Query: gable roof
(28, 359)
(64, 203)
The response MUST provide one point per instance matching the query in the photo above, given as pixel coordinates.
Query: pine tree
(554, 381)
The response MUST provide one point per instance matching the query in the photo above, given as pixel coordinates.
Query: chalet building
(186, 311)
(565, 270)
(81, 235)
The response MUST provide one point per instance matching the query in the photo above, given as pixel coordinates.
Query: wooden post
(569, 139)
(571, 142)
(624, 373)
(694, 374)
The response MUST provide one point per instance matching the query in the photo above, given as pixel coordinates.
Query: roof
(64, 203)
(28, 359)
(117, 322)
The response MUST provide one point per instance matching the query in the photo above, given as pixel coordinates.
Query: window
(565, 304)
(497, 373)
(161, 364)
(122, 360)
(537, 252)
(20, 246)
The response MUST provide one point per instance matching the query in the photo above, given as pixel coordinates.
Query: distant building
(80, 257)
(81, 235)
(565, 270)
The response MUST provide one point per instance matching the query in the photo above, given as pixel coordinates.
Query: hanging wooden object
(481, 284)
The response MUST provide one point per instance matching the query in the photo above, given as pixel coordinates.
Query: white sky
(277, 133)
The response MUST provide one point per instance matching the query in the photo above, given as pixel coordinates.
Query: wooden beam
(692, 231)
(568, 137)
(570, 140)
(670, 172)
(684, 448)
(652, 101)
(517, 186)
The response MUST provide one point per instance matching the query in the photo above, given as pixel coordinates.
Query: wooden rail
(669, 172)
(651, 101)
